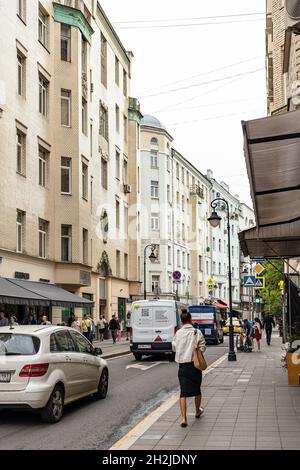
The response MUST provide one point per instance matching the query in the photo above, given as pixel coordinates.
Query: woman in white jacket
(190, 378)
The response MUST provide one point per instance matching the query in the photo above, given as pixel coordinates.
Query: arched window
(154, 142)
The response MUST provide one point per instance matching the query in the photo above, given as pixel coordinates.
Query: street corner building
(69, 158)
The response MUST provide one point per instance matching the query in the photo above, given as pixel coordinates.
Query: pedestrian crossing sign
(249, 281)
(260, 282)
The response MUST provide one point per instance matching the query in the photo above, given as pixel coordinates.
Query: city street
(135, 389)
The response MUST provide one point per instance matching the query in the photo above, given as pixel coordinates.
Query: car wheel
(103, 385)
(53, 411)
(137, 357)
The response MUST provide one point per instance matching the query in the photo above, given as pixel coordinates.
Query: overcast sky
(216, 72)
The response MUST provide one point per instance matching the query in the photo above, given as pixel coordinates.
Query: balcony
(76, 14)
(78, 5)
(195, 190)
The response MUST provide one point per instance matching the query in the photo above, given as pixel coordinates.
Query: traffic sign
(210, 281)
(258, 260)
(176, 275)
(259, 269)
(249, 281)
(260, 282)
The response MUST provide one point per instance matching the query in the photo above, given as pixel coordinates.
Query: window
(183, 260)
(104, 173)
(178, 258)
(66, 242)
(66, 175)
(187, 179)
(169, 255)
(200, 262)
(84, 117)
(65, 42)
(85, 246)
(168, 163)
(182, 175)
(125, 219)
(188, 261)
(103, 119)
(177, 171)
(183, 232)
(117, 71)
(154, 161)
(220, 268)
(43, 95)
(200, 289)
(118, 263)
(154, 221)
(125, 171)
(214, 267)
(155, 281)
(207, 267)
(117, 165)
(125, 128)
(177, 199)
(43, 229)
(220, 244)
(117, 214)
(21, 69)
(182, 203)
(117, 118)
(125, 265)
(154, 189)
(22, 9)
(21, 152)
(43, 27)
(43, 166)
(84, 180)
(168, 193)
(81, 344)
(20, 230)
(103, 61)
(65, 100)
(124, 83)
(169, 226)
(84, 56)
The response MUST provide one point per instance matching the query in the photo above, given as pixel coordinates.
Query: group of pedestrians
(252, 331)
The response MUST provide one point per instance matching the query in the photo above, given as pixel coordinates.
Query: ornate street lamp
(152, 257)
(214, 221)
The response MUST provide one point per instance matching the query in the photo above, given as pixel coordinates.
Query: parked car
(44, 368)
(236, 326)
(154, 324)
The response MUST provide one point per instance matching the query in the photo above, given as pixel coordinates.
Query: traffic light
(257, 298)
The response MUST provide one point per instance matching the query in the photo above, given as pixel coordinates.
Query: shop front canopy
(17, 292)
(272, 153)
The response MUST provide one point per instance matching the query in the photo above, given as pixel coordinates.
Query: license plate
(207, 331)
(5, 377)
(144, 346)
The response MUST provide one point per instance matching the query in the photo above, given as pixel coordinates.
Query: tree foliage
(271, 295)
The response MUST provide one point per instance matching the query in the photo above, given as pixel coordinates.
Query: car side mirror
(98, 351)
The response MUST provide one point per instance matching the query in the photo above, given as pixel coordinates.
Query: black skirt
(190, 380)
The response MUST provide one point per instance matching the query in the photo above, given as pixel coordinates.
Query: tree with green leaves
(271, 294)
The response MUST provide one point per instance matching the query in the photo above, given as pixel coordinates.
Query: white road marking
(144, 366)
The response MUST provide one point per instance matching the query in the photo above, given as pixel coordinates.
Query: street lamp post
(151, 257)
(214, 220)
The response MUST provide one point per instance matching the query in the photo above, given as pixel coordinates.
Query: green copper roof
(73, 17)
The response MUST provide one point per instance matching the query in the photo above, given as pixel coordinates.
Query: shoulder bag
(198, 358)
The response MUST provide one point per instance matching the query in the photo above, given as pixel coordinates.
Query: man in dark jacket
(268, 324)
(113, 326)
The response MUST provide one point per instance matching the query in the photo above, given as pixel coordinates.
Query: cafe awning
(272, 153)
(17, 292)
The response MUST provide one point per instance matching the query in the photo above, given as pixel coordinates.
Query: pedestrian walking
(257, 332)
(268, 324)
(86, 327)
(113, 326)
(128, 326)
(119, 333)
(3, 319)
(76, 324)
(92, 335)
(102, 325)
(186, 340)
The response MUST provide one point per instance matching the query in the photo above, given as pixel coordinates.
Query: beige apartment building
(69, 138)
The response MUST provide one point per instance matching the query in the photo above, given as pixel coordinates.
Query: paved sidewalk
(110, 349)
(248, 405)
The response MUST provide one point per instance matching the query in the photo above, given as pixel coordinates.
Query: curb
(132, 436)
(117, 354)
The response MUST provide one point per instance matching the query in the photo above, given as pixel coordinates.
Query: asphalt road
(135, 389)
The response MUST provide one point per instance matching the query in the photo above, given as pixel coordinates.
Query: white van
(154, 324)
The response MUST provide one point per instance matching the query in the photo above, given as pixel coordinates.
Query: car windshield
(18, 345)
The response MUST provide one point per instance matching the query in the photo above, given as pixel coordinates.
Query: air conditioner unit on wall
(293, 14)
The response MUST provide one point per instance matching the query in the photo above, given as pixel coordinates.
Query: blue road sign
(249, 281)
(258, 260)
(176, 275)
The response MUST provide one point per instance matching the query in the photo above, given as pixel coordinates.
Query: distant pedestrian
(185, 341)
(3, 319)
(76, 324)
(102, 325)
(268, 324)
(13, 321)
(71, 319)
(29, 320)
(280, 327)
(45, 320)
(257, 332)
(92, 335)
(128, 326)
(113, 326)
(119, 333)
(86, 327)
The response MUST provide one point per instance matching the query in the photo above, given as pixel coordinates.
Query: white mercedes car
(44, 368)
